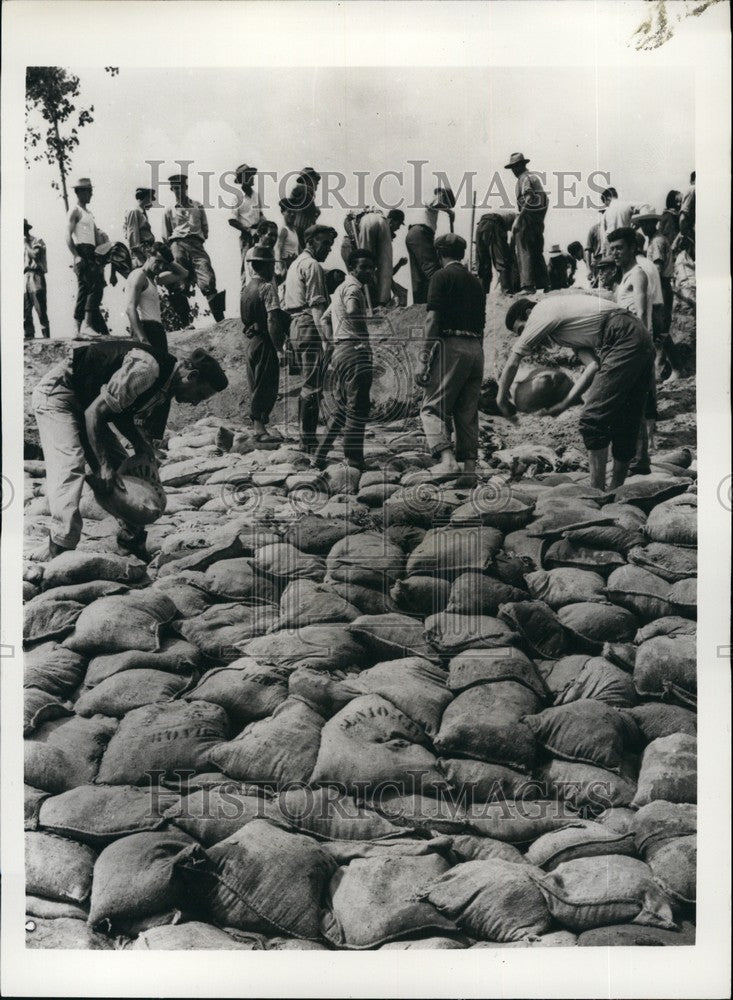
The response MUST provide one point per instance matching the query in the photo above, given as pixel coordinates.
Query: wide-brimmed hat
(82, 182)
(514, 159)
(555, 250)
(645, 213)
(242, 169)
(27, 225)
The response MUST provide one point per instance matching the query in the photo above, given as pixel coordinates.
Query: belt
(296, 312)
(461, 333)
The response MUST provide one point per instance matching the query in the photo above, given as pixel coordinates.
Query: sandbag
(494, 508)
(523, 821)
(585, 786)
(284, 562)
(450, 634)
(564, 553)
(305, 602)
(586, 732)
(584, 840)
(484, 723)
(420, 506)
(222, 632)
(625, 515)
(33, 799)
(526, 547)
(670, 562)
(159, 740)
(237, 580)
(617, 818)
(656, 720)
(75, 566)
(99, 814)
(470, 847)
(635, 935)
(121, 693)
(176, 656)
(415, 686)
(39, 707)
(611, 537)
(475, 593)
(674, 864)
(82, 593)
(369, 550)
(212, 814)
(370, 742)
(421, 595)
(273, 751)
(329, 815)
(135, 498)
(538, 626)
(479, 781)
(541, 388)
(668, 771)
(193, 935)
(244, 689)
(66, 933)
(642, 593)
(589, 625)
(323, 647)
(57, 868)
(503, 663)
(670, 625)
(565, 586)
(316, 535)
(674, 522)
(667, 668)
(599, 680)
(407, 536)
(660, 821)
(116, 624)
(493, 900)
(136, 877)
(261, 878)
(602, 890)
(367, 600)
(373, 901)
(185, 591)
(451, 551)
(647, 492)
(683, 596)
(391, 636)
(65, 753)
(49, 620)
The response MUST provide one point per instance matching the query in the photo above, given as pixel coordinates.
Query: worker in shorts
(186, 229)
(618, 353)
(105, 384)
(305, 300)
(260, 310)
(453, 365)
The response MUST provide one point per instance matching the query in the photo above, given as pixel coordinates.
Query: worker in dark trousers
(260, 319)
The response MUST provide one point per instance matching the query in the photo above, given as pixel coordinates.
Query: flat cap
(314, 232)
(452, 243)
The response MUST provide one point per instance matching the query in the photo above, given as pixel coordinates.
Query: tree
(52, 92)
(659, 26)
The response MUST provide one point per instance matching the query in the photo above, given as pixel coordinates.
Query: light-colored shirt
(659, 252)
(136, 375)
(84, 229)
(617, 216)
(248, 210)
(34, 255)
(568, 320)
(137, 228)
(529, 193)
(305, 284)
(186, 220)
(287, 247)
(581, 278)
(148, 304)
(345, 326)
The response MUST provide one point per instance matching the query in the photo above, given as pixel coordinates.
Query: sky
(636, 128)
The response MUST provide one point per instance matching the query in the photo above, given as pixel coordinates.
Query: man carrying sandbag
(119, 383)
(453, 370)
(618, 353)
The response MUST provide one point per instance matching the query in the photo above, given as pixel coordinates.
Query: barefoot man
(618, 353)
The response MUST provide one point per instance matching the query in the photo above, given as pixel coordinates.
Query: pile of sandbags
(360, 711)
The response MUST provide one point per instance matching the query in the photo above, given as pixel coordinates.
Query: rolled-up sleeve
(136, 374)
(539, 327)
(314, 284)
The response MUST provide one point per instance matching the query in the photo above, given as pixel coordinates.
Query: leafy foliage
(51, 95)
(659, 26)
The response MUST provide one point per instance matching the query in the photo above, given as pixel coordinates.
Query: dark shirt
(257, 300)
(459, 298)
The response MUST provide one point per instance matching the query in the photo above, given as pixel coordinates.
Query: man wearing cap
(351, 363)
(529, 226)
(34, 293)
(247, 213)
(618, 353)
(119, 383)
(306, 300)
(420, 241)
(186, 228)
(136, 227)
(82, 238)
(302, 200)
(260, 309)
(493, 247)
(453, 364)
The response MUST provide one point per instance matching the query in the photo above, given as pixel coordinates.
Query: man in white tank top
(143, 298)
(82, 239)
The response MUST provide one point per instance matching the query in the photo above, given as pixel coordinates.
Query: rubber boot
(308, 418)
(216, 305)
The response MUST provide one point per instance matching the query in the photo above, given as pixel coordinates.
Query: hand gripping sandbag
(541, 388)
(139, 498)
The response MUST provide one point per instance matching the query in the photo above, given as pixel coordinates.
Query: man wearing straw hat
(528, 229)
(34, 272)
(247, 213)
(186, 229)
(82, 237)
